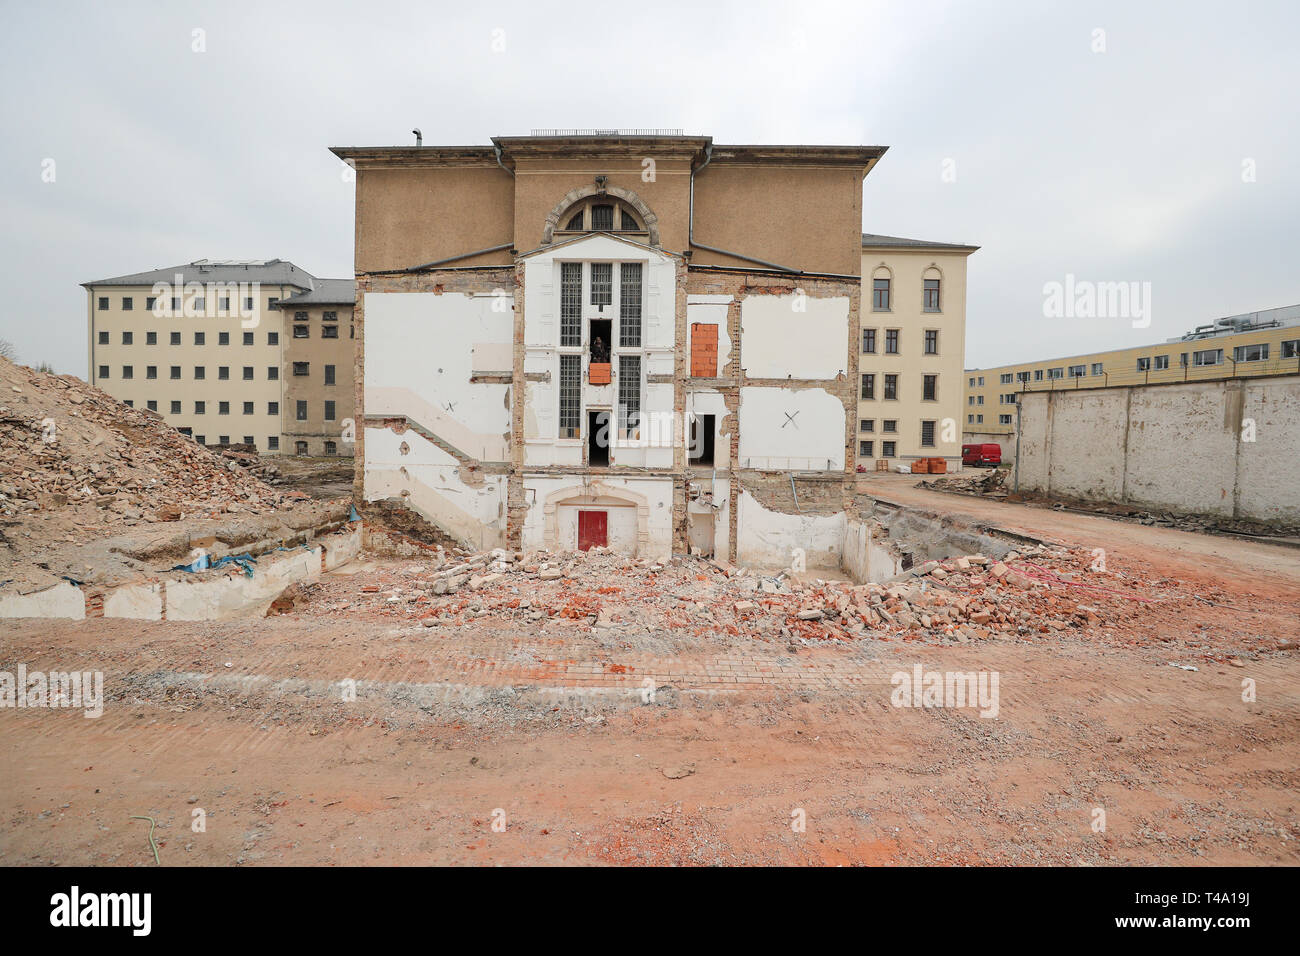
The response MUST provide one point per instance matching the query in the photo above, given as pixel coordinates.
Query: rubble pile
(70, 450)
(991, 484)
(1040, 591)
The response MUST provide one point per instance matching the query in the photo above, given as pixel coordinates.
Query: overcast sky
(1131, 162)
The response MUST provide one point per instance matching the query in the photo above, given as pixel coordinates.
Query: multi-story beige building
(204, 345)
(318, 362)
(1239, 346)
(913, 341)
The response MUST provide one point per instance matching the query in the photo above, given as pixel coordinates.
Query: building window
(929, 388)
(199, 338)
(329, 374)
(1056, 373)
(891, 341)
(1005, 378)
(273, 408)
(970, 419)
(931, 341)
(272, 338)
(103, 371)
(103, 303)
(175, 371)
(980, 400)
(302, 368)
(103, 338)
(1162, 363)
(248, 439)
(1004, 419)
(331, 448)
(152, 404)
(223, 303)
(927, 434)
(151, 371)
(175, 408)
(248, 409)
(868, 341)
(891, 387)
(300, 448)
(1078, 371)
(931, 292)
(865, 449)
(971, 383)
(150, 302)
(602, 219)
(889, 424)
(223, 408)
(329, 410)
(602, 281)
(1007, 398)
(1038, 375)
(151, 338)
(1250, 353)
(301, 410)
(273, 443)
(879, 295)
(329, 316)
(200, 372)
(1290, 349)
(176, 305)
(272, 373)
(570, 304)
(128, 371)
(570, 395)
(970, 399)
(200, 408)
(201, 439)
(248, 373)
(1022, 376)
(174, 338)
(272, 302)
(979, 419)
(867, 425)
(629, 395)
(248, 304)
(248, 338)
(128, 338)
(629, 305)
(1144, 365)
(301, 332)
(868, 385)
(888, 449)
(128, 303)
(223, 373)
(1208, 357)
(300, 316)
(1097, 368)
(223, 338)
(329, 331)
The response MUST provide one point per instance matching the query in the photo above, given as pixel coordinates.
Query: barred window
(602, 281)
(629, 223)
(629, 394)
(571, 303)
(927, 434)
(570, 395)
(602, 217)
(629, 302)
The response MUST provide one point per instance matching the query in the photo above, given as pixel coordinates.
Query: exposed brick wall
(704, 350)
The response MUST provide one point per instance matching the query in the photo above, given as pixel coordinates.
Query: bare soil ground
(545, 726)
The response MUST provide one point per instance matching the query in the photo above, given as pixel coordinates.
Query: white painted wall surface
(767, 538)
(777, 341)
(811, 439)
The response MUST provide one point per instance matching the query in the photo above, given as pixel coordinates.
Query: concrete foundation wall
(767, 539)
(1223, 448)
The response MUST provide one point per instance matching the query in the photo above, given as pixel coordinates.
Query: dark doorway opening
(599, 343)
(598, 438)
(701, 447)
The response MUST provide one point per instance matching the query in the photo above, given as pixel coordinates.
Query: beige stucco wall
(318, 352)
(907, 268)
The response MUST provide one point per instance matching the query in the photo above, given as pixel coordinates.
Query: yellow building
(913, 346)
(1239, 346)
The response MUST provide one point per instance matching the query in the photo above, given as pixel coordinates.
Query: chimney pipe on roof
(419, 137)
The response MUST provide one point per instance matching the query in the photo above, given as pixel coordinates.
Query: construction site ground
(622, 714)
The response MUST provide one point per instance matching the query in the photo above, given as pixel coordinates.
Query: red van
(974, 455)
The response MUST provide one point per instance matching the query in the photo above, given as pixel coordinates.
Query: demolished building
(591, 339)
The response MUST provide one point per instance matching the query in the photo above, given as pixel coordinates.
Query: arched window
(602, 214)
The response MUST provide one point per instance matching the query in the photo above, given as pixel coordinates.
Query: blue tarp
(204, 563)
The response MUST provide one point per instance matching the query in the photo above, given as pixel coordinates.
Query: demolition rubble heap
(688, 602)
(67, 445)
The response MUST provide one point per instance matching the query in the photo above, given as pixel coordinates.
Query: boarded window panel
(602, 283)
(570, 395)
(629, 303)
(571, 303)
(629, 394)
(704, 350)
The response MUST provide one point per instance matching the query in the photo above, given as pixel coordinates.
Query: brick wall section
(704, 350)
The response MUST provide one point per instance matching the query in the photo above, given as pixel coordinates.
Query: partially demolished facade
(567, 341)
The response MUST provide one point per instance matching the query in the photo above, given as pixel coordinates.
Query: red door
(593, 529)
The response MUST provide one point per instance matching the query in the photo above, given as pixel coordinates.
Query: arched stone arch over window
(560, 215)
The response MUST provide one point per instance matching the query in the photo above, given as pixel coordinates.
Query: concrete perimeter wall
(1228, 448)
